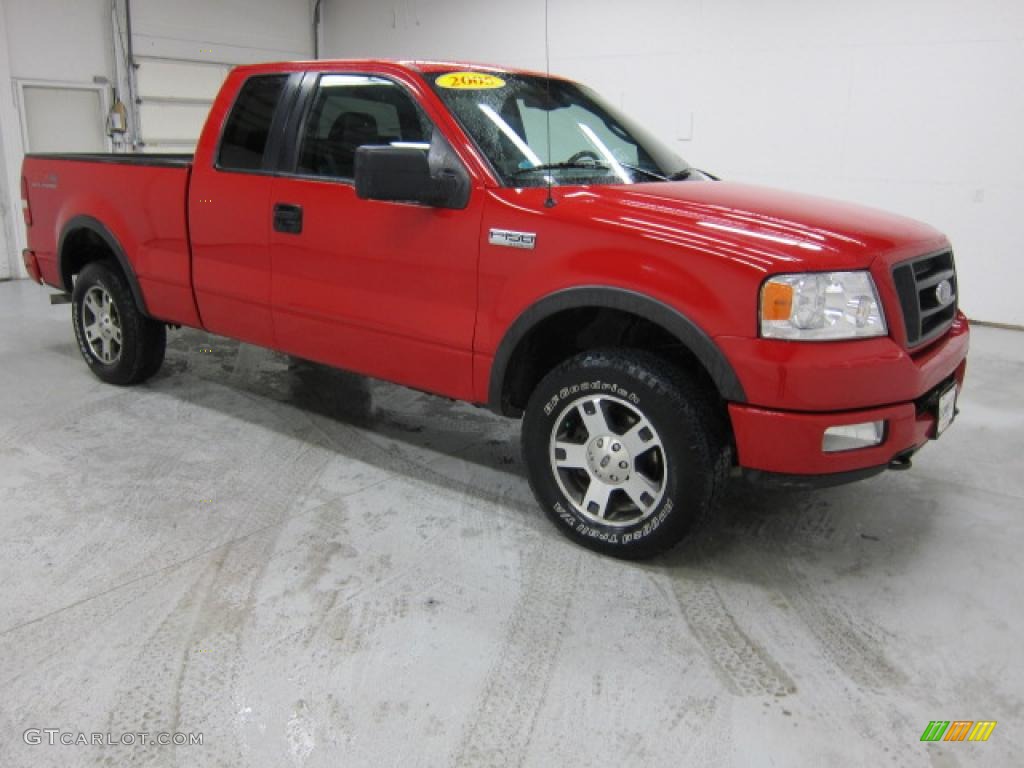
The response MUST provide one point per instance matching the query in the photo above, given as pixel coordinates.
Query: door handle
(288, 218)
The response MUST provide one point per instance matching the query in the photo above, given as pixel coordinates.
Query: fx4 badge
(512, 239)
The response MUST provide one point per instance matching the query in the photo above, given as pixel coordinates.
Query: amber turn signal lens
(776, 301)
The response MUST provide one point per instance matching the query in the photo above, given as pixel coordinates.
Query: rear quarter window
(247, 131)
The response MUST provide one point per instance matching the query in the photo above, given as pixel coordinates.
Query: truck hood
(769, 226)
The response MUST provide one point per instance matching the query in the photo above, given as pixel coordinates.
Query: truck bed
(132, 204)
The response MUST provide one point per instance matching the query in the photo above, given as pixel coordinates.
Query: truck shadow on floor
(431, 439)
(451, 445)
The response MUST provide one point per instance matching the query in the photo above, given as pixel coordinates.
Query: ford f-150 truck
(511, 239)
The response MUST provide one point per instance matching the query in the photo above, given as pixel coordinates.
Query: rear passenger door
(229, 214)
(386, 289)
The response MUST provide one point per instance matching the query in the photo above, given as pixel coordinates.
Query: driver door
(385, 289)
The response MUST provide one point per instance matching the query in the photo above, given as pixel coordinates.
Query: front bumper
(789, 441)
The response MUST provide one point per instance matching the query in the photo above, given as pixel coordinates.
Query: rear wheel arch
(85, 239)
(508, 392)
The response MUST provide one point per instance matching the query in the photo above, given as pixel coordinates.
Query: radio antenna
(550, 202)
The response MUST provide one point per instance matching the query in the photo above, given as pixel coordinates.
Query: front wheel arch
(502, 395)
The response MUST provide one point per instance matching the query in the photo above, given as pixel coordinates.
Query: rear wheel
(119, 344)
(624, 452)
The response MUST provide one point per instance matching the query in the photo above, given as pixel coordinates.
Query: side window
(351, 111)
(248, 127)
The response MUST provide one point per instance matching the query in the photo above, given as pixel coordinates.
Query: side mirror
(402, 175)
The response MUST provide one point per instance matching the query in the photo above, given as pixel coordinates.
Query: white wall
(72, 41)
(44, 40)
(916, 106)
(8, 125)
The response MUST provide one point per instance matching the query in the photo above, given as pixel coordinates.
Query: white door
(63, 119)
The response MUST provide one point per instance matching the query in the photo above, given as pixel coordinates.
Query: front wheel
(624, 452)
(120, 344)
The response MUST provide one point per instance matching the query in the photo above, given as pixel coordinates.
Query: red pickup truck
(513, 240)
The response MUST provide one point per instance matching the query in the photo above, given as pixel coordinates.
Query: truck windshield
(508, 115)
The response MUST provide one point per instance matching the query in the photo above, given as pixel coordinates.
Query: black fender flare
(98, 228)
(689, 334)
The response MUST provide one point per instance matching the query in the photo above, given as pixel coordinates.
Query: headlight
(821, 306)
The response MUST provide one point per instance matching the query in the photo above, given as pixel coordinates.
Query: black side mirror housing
(402, 175)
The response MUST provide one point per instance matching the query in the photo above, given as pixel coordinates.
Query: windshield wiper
(644, 171)
(677, 176)
(562, 166)
(685, 173)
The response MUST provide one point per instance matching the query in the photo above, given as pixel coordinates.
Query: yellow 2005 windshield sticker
(469, 81)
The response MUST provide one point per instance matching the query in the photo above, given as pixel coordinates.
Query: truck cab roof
(417, 66)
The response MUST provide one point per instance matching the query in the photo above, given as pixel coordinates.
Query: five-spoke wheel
(120, 344)
(608, 460)
(625, 451)
(102, 325)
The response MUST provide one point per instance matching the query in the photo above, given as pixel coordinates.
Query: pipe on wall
(317, 8)
(124, 72)
(133, 90)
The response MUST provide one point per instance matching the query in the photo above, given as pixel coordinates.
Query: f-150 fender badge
(469, 81)
(512, 239)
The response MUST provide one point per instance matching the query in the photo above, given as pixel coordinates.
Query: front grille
(917, 285)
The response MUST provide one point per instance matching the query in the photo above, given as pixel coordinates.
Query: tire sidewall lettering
(615, 537)
(597, 386)
(671, 401)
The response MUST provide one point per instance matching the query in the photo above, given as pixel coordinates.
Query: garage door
(175, 99)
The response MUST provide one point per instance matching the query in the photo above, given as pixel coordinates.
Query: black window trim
(295, 125)
(276, 135)
(304, 107)
(431, 79)
(281, 155)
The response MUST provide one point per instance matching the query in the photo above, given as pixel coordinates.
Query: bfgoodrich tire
(624, 452)
(120, 345)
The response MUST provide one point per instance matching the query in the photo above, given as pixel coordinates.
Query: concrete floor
(312, 569)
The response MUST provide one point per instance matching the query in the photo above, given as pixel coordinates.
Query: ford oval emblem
(944, 293)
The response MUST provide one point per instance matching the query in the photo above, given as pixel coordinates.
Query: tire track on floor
(58, 418)
(194, 654)
(499, 732)
(770, 549)
(853, 645)
(744, 666)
